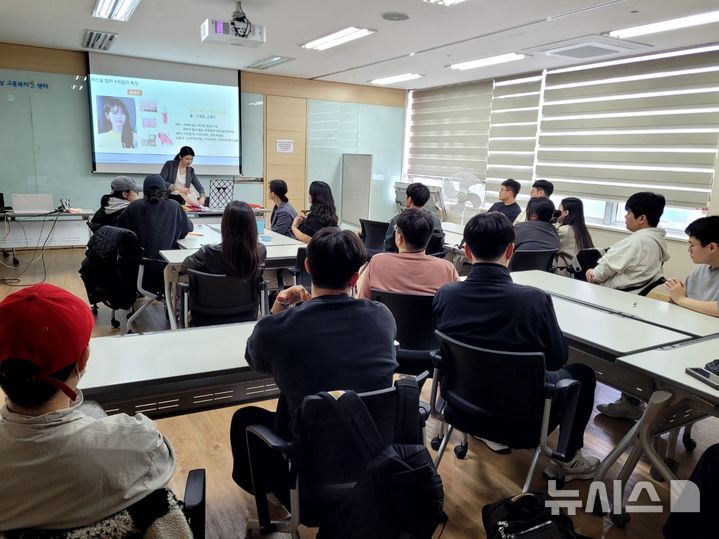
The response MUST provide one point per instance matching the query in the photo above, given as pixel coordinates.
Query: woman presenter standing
(180, 177)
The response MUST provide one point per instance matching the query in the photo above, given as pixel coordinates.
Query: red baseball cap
(46, 325)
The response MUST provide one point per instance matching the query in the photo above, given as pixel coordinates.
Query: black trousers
(270, 470)
(702, 524)
(587, 382)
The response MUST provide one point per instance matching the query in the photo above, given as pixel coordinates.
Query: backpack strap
(359, 422)
(406, 422)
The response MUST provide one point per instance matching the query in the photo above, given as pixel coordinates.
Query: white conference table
(58, 229)
(659, 313)
(281, 252)
(170, 372)
(678, 399)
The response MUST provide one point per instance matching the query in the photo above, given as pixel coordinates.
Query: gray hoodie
(115, 205)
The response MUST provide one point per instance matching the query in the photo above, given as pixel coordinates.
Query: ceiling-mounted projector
(219, 31)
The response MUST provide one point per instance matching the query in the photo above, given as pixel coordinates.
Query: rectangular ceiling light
(663, 26)
(338, 38)
(493, 60)
(396, 78)
(444, 2)
(269, 62)
(117, 10)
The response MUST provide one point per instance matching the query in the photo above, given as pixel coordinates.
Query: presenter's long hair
(575, 219)
(185, 150)
(323, 204)
(239, 241)
(128, 133)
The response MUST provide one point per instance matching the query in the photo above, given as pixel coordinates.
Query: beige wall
(43, 60)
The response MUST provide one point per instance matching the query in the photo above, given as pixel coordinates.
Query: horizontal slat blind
(449, 130)
(513, 132)
(607, 132)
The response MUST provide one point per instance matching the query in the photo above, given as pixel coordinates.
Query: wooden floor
(201, 440)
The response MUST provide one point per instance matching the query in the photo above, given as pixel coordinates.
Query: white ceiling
(437, 35)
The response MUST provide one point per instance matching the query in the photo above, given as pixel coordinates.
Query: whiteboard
(356, 186)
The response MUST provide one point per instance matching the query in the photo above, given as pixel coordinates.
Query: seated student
(158, 223)
(700, 292)
(631, 264)
(488, 310)
(64, 469)
(322, 213)
(537, 233)
(318, 342)
(411, 270)
(637, 260)
(540, 188)
(417, 196)
(573, 232)
(283, 214)
(240, 254)
(124, 191)
(508, 199)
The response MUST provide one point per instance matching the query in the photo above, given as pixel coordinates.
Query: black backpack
(526, 516)
(399, 494)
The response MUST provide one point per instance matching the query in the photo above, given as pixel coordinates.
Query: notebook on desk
(32, 204)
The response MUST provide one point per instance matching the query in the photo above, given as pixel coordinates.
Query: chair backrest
(651, 286)
(415, 328)
(303, 277)
(532, 259)
(329, 463)
(584, 260)
(373, 233)
(435, 247)
(493, 394)
(221, 298)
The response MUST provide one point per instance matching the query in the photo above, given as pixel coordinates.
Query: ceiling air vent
(588, 48)
(98, 41)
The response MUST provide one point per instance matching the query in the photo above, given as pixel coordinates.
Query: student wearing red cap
(61, 467)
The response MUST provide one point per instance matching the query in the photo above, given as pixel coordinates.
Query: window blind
(608, 131)
(449, 130)
(513, 132)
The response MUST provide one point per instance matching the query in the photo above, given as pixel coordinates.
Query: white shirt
(65, 469)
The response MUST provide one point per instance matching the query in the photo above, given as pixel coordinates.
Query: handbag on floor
(526, 516)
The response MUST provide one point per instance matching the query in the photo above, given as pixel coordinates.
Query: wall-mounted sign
(284, 145)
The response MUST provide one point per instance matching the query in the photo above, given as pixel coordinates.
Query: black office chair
(500, 396)
(211, 299)
(298, 272)
(150, 286)
(584, 260)
(532, 259)
(435, 247)
(415, 329)
(323, 457)
(651, 286)
(373, 234)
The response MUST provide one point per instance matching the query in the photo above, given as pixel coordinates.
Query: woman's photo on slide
(115, 123)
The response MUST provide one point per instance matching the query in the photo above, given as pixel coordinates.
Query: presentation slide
(138, 124)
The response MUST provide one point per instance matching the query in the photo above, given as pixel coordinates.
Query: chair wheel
(115, 323)
(673, 465)
(689, 443)
(621, 520)
(460, 451)
(435, 442)
(129, 331)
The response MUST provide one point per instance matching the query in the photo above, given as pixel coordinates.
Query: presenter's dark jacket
(158, 227)
(209, 259)
(282, 217)
(329, 342)
(489, 310)
(169, 174)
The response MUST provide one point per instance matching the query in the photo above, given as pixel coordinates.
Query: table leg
(171, 275)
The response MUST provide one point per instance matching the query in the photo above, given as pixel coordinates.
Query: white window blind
(449, 130)
(650, 125)
(513, 132)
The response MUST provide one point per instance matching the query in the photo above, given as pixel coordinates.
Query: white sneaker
(494, 446)
(622, 409)
(580, 467)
